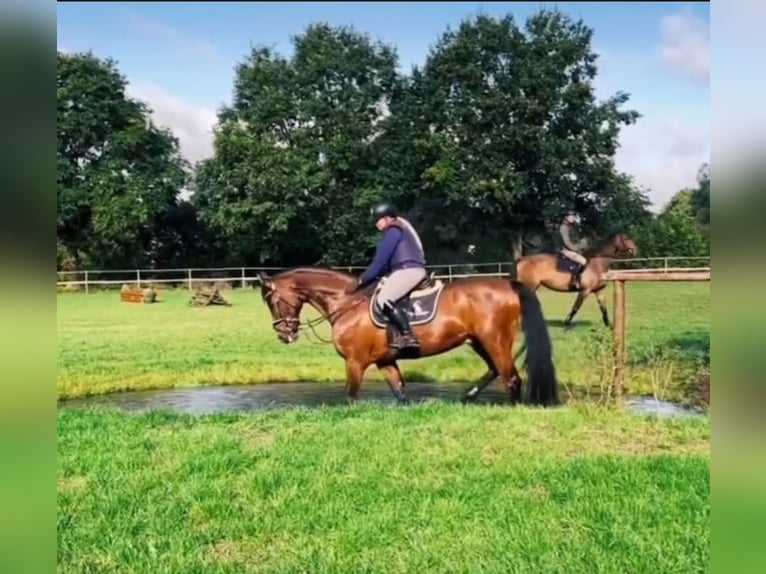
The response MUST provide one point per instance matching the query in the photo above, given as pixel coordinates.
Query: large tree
(515, 133)
(118, 175)
(295, 163)
(701, 196)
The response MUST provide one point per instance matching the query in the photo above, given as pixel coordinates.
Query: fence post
(189, 279)
(619, 340)
(449, 272)
(138, 278)
(87, 290)
(243, 278)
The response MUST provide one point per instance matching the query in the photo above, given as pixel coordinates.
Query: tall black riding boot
(574, 281)
(400, 320)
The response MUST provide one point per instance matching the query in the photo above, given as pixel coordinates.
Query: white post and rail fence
(96, 279)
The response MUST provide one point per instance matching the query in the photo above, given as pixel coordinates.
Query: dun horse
(485, 312)
(553, 270)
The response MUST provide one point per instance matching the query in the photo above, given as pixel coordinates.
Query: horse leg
(500, 355)
(395, 380)
(354, 373)
(486, 378)
(575, 308)
(602, 305)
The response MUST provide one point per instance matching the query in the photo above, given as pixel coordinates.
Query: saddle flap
(420, 304)
(564, 263)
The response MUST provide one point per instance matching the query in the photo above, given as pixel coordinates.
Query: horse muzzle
(287, 330)
(287, 338)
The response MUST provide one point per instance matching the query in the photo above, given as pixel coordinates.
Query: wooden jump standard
(620, 312)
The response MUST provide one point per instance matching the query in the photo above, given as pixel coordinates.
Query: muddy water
(253, 398)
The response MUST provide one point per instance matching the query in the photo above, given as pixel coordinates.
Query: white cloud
(738, 115)
(190, 123)
(663, 156)
(686, 47)
(662, 152)
(185, 42)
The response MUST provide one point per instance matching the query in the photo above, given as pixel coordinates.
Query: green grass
(430, 488)
(105, 345)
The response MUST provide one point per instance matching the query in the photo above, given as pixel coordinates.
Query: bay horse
(485, 312)
(553, 270)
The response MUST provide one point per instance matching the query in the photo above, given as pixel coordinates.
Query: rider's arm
(564, 231)
(382, 255)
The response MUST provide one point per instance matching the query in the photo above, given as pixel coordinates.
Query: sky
(180, 58)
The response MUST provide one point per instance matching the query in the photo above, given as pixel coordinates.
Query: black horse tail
(539, 357)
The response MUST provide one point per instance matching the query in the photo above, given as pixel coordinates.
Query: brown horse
(485, 312)
(551, 269)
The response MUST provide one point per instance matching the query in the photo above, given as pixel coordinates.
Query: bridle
(293, 324)
(622, 246)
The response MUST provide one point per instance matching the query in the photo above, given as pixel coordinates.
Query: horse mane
(598, 249)
(323, 272)
(313, 269)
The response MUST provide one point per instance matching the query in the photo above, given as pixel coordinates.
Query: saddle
(564, 263)
(419, 305)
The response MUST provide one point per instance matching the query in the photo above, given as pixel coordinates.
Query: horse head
(287, 292)
(284, 304)
(624, 244)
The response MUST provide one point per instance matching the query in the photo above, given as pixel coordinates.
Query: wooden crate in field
(138, 295)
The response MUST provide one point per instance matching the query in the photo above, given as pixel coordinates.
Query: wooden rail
(620, 310)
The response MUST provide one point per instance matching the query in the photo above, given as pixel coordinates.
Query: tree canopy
(118, 175)
(491, 139)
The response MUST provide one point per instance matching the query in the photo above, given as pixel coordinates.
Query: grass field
(435, 487)
(105, 345)
(430, 488)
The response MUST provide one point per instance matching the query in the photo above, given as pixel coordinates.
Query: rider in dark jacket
(571, 248)
(399, 254)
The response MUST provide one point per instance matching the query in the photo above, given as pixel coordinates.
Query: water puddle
(253, 398)
(652, 406)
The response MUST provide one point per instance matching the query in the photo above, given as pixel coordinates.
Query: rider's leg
(574, 280)
(396, 286)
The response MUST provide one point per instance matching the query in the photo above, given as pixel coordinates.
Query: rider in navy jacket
(400, 253)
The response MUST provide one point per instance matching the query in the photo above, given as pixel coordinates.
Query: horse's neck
(602, 257)
(324, 298)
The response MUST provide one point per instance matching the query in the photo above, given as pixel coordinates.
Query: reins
(313, 322)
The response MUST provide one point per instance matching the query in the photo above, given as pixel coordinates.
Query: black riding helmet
(383, 209)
